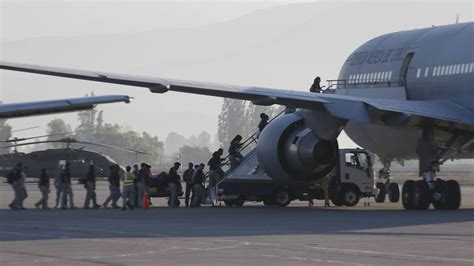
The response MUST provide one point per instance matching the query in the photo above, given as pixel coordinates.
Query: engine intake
(289, 150)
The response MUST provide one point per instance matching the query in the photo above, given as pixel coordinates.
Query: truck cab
(352, 178)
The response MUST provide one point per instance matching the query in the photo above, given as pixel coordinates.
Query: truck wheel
(350, 196)
(282, 198)
(336, 197)
(393, 192)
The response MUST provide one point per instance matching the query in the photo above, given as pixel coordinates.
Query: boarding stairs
(248, 169)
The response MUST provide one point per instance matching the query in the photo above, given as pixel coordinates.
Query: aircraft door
(404, 70)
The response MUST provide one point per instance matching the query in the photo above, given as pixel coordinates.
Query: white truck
(350, 180)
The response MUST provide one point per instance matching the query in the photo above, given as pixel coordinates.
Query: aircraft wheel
(440, 189)
(350, 196)
(380, 195)
(282, 198)
(421, 195)
(393, 192)
(453, 195)
(407, 194)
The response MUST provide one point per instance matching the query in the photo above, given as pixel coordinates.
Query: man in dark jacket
(90, 187)
(43, 185)
(198, 187)
(173, 181)
(187, 176)
(114, 187)
(67, 188)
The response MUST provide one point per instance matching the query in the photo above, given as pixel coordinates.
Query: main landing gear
(418, 195)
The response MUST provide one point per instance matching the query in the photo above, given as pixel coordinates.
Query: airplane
(402, 95)
(15, 110)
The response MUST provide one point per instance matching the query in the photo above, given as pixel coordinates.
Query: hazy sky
(279, 44)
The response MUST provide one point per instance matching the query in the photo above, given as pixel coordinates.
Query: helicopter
(52, 159)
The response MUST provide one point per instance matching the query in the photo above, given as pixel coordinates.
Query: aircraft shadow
(226, 222)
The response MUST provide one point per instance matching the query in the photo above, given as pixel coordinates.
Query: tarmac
(251, 235)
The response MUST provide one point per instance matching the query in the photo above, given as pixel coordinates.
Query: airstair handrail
(253, 138)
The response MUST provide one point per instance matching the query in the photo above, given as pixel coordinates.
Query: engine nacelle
(288, 150)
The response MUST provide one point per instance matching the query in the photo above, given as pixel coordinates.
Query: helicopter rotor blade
(43, 136)
(112, 147)
(31, 143)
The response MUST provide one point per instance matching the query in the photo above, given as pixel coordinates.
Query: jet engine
(288, 149)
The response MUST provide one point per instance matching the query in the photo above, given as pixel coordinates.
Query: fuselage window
(449, 70)
(427, 70)
(462, 69)
(379, 76)
(390, 75)
(471, 69)
(434, 71)
(442, 70)
(457, 69)
(418, 73)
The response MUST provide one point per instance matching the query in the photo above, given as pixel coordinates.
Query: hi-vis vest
(128, 181)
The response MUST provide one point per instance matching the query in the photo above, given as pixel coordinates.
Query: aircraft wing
(362, 109)
(13, 110)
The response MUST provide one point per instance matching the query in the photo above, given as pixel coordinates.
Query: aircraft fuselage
(426, 64)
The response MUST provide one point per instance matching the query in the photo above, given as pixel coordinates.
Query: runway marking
(326, 261)
(393, 254)
(32, 234)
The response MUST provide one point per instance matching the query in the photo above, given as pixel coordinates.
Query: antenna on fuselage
(457, 18)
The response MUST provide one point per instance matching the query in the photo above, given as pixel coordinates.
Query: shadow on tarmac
(220, 222)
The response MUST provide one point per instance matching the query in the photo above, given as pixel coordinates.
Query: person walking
(58, 184)
(67, 188)
(43, 185)
(173, 184)
(140, 181)
(128, 190)
(14, 178)
(187, 177)
(198, 186)
(114, 187)
(91, 196)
